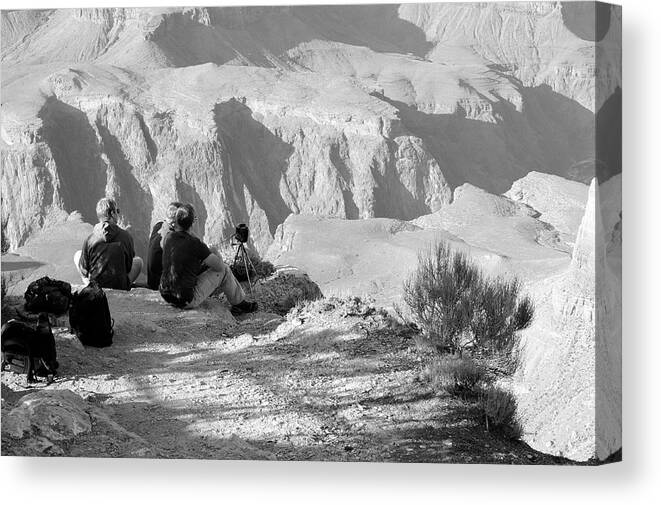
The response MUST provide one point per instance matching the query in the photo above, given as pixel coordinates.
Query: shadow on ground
(315, 386)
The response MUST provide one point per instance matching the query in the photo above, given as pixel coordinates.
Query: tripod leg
(246, 259)
(251, 264)
(236, 256)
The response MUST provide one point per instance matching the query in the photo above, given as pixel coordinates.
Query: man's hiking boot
(243, 308)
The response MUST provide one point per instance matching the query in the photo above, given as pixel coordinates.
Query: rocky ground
(332, 380)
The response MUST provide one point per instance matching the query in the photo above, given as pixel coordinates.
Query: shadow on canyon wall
(232, 33)
(77, 155)
(551, 135)
(89, 166)
(608, 126)
(258, 160)
(338, 154)
(188, 194)
(132, 199)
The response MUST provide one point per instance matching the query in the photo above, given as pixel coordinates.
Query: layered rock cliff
(236, 158)
(253, 114)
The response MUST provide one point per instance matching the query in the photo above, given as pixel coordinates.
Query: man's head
(107, 210)
(184, 217)
(171, 212)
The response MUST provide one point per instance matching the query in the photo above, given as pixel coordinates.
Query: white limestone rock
(570, 383)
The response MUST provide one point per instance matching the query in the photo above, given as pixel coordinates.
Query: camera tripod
(242, 254)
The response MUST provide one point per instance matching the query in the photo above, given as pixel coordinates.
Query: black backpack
(48, 295)
(89, 316)
(29, 350)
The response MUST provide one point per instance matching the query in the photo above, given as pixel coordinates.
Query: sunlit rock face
(254, 113)
(570, 382)
(348, 138)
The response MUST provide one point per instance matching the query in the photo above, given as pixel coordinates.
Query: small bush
(4, 287)
(498, 314)
(438, 295)
(457, 307)
(260, 269)
(499, 407)
(458, 376)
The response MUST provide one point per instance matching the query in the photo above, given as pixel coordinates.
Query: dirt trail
(334, 382)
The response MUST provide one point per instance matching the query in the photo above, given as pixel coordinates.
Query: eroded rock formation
(255, 113)
(570, 384)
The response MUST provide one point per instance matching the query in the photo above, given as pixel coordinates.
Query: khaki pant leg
(136, 268)
(231, 287)
(207, 281)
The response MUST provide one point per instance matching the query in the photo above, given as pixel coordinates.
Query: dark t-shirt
(107, 256)
(155, 257)
(183, 255)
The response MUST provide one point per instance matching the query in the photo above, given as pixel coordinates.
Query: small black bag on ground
(89, 316)
(29, 350)
(48, 295)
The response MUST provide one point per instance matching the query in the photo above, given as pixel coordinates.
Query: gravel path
(333, 382)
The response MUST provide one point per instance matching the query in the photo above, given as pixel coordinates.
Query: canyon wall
(253, 114)
(237, 159)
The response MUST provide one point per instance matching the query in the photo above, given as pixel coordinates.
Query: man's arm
(131, 245)
(130, 251)
(83, 262)
(166, 228)
(214, 263)
(156, 230)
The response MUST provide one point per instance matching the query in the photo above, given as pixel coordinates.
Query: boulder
(55, 415)
(56, 422)
(281, 291)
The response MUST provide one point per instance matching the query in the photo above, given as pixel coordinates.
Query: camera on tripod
(241, 233)
(242, 266)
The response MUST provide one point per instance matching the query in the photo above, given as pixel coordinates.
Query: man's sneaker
(243, 308)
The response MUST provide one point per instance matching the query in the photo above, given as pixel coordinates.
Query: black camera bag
(48, 295)
(29, 350)
(89, 316)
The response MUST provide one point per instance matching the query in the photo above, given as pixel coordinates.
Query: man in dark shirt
(191, 272)
(155, 250)
(108, 255)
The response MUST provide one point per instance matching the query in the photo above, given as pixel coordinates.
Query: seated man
(155, 250)
(108, 256)
(191, 272)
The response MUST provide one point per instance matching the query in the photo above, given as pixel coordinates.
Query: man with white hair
(108, 255)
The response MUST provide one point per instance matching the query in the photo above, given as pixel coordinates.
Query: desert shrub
(264, 268)
(261, 269)
(438, 294)
(457, 307)
(458, 376)
(498, 314)
(499, 408)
